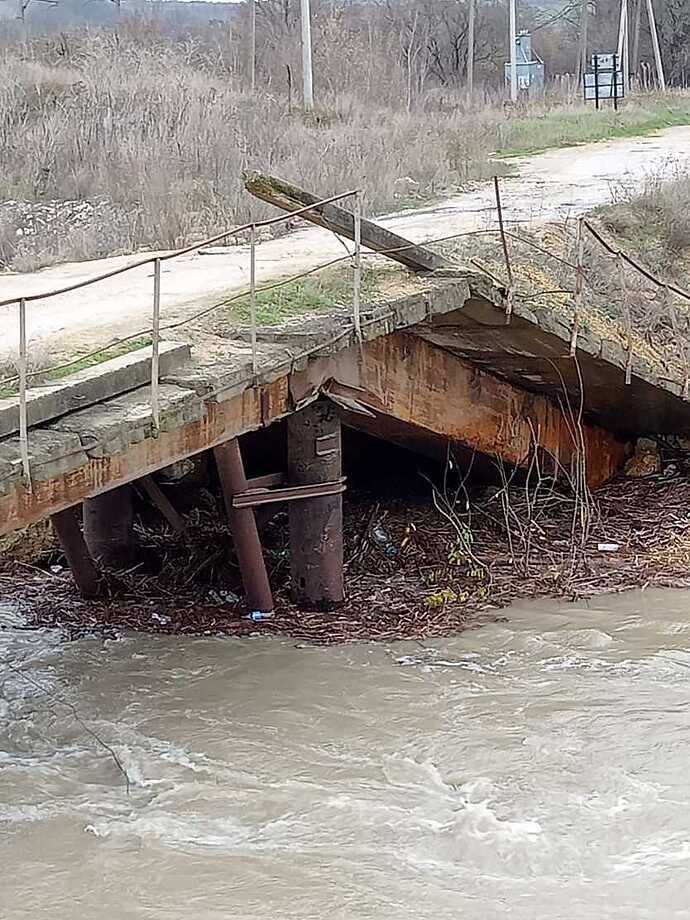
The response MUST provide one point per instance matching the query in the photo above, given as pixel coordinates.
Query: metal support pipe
(357, 283)
(155, 346)
(252, 297)
(579, 286)
(109, 528)
(162, 502)
(245, 536)
(506, 253)
(316, 524)
(66, 526)
(23, 417)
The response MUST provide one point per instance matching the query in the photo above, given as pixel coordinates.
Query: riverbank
(421, 560)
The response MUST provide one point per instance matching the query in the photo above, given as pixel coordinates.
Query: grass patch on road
(41, 374)
(638, 117)
(327, 290)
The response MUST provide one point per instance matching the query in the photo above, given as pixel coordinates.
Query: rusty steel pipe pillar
(316, 524)
(109, 528)
(66, 526)
(245, 536)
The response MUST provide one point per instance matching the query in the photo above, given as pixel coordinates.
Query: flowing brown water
(532, 768)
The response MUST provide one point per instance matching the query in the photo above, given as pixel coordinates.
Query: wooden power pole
(635, 63)
(624, 46)
(470, 51)
(513, 51)
(582, 51)
(252, 43)
(655, 44)
(307, 79)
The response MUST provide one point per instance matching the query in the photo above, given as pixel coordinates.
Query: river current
(537, 767)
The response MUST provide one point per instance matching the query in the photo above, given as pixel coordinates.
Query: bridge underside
(437, 370)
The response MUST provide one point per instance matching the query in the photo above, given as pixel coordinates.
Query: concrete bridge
(439, 364)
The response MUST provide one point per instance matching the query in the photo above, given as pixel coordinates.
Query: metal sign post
(605, 81)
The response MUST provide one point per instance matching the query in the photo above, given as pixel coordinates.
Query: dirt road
(547, 186)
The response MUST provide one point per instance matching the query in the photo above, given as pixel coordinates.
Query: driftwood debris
(291, 198)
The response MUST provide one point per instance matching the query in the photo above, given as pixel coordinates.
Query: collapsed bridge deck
(440, 365)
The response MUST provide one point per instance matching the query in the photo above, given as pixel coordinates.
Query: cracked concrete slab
(51, 454)
(89, 386)
(113, 426)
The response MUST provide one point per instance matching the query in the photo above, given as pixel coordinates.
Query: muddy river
(531, 768)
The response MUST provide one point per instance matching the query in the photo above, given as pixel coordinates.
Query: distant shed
(530, 68)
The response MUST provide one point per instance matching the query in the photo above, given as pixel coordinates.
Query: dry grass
(165, 142)
(655, 221)
(136, 142)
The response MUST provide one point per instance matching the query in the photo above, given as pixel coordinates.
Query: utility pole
(513, 52)
(252, 43)
(655, 44)
(624, 45)
(470, 51)
(307, 81)
(582, 51)
(636, 37)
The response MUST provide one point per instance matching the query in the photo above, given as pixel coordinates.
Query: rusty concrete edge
(377, 321)
(442, 295)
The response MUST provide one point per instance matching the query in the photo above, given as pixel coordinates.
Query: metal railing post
(579, 287)
(506, 254)
(252, 296)
(627, 318)
(23, 417)
(357, 280)
(155, 345)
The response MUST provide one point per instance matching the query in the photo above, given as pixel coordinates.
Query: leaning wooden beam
(162, 502)
(66, 526)
(332, 217)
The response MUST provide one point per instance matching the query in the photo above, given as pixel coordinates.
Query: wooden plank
(291, 198)
(162, 502)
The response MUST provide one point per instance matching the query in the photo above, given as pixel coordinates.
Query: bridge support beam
(66, 526)
(316, 524)
(109, 528)
(245, 535)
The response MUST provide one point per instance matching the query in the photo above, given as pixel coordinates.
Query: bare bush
(153, 128)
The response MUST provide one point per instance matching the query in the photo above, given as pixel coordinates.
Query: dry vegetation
(423, 559)
(116, 143)
(655, 221)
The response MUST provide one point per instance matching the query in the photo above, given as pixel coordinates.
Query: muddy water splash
(537, 767)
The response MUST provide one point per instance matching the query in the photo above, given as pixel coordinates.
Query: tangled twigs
(458, 552)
